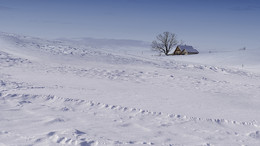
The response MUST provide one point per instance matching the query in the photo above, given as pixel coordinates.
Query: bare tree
(165, 42)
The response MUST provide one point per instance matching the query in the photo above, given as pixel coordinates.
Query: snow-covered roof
(188, 48)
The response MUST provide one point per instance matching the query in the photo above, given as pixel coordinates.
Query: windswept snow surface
(66, 92)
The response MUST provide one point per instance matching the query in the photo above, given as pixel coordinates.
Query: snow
(242, 59)
(118, 92)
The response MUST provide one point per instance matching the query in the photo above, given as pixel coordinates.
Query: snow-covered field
(117, 92)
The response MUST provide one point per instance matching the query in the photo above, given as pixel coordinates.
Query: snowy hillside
(116, 92)
(243, 59)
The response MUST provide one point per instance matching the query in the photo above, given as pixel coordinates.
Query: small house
(185, 50)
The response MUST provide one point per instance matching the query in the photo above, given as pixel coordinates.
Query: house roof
(189, 49)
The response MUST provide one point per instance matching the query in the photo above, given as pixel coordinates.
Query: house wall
(190, 53)
(184, 52)
(177, 51)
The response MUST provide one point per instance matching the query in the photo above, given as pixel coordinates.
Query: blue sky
(205, 24)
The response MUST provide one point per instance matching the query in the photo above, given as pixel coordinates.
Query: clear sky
(205, 24)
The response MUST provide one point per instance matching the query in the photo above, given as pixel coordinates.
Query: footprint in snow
(56, 120)
(78, 132)
(255, 135)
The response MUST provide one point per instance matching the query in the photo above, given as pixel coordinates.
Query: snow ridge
(82, 107)
(52, 98)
